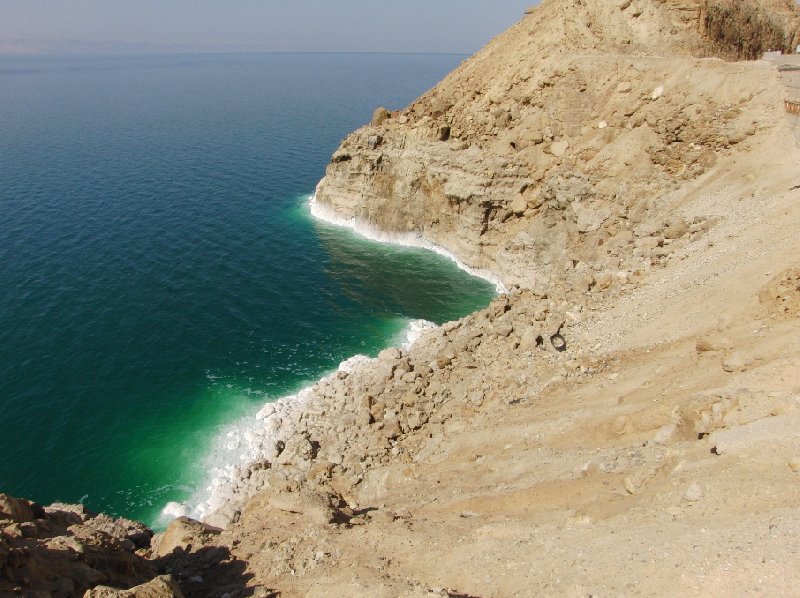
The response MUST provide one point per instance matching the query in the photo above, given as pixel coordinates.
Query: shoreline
(242, 445)
(366, 230)
(228, 463)
(245, 442)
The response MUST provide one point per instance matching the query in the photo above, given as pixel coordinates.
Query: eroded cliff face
(553, 149)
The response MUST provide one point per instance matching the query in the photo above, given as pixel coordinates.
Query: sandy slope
(670, 467)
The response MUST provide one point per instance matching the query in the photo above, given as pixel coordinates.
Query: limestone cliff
(553, 148)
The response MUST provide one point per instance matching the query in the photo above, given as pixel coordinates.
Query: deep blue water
(159, 273)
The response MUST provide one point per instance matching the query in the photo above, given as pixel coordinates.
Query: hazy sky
(275, 25)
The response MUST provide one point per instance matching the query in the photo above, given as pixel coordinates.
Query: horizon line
(75, 47)
(214, 52)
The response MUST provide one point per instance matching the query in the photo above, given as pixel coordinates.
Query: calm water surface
(159, 273)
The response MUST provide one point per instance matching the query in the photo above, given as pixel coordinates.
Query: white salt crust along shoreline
(250, 439)
(411, 239)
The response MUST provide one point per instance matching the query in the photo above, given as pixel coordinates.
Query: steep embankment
(561, 134)
(625, 422)
(645, 198)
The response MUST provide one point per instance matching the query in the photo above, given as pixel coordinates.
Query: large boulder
(122, 529)
(17, 510)
(380, 116)
(163, 586)
(184, 533)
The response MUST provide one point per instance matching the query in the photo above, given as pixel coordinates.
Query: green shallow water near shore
(161, 274)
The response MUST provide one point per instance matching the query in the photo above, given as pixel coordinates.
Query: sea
(161, 275)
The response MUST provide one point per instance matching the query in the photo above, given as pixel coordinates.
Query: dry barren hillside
(560, 133)
(625, 420)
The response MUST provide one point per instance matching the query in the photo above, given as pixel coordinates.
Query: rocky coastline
(622, 420)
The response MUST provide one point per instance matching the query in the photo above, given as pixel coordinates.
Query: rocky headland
(624, 420)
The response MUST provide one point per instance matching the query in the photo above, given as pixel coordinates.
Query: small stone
(794, 464)
(442, 362)
(736, 137)
(381, 516)
(694, 493)
(677, 229)
(376, 411)
(590, 219)
(602, 125)
(603, 280)
(391, 428)
(735, 362)
(380, 116)
(630, 487)
(559, 148)
(624, 87)
(712, 342)
(390, 354)
(657, 93)
(591, 468)
(665, 433)
(519, 205)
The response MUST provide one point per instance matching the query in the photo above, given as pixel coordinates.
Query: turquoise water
(160, 275)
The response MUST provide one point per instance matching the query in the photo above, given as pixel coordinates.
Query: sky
(458, 26)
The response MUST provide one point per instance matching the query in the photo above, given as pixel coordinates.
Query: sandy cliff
(625, 420)
(560, 135)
